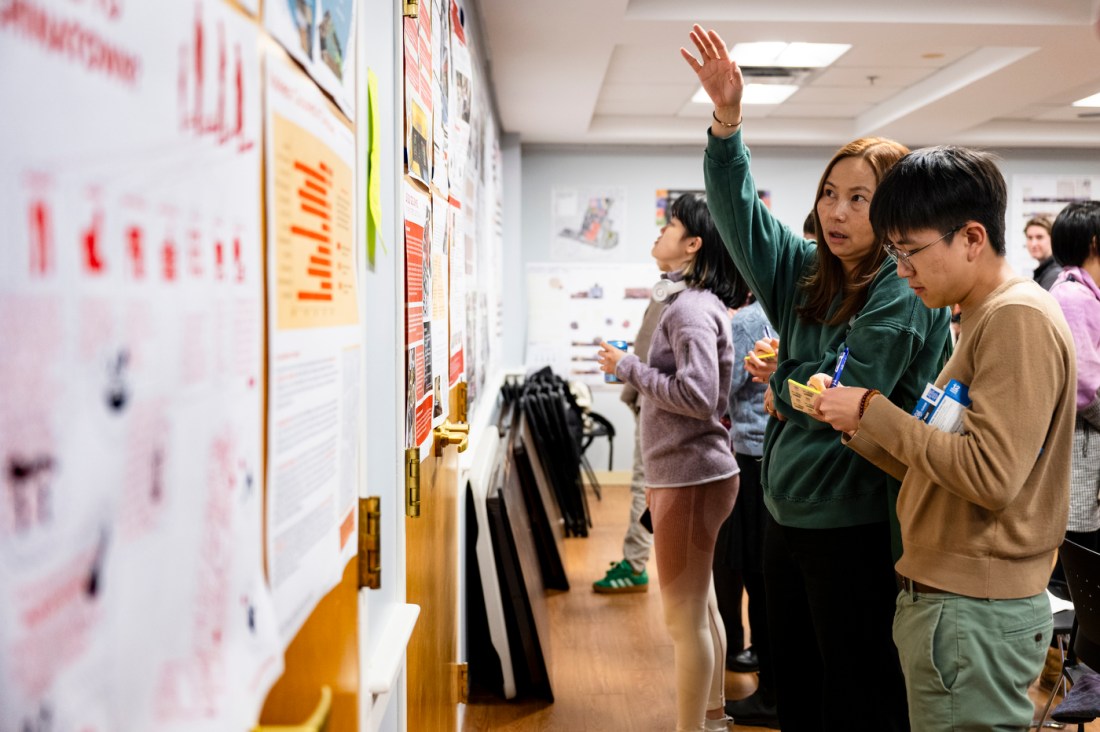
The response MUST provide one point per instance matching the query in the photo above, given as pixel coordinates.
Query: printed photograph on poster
(1042, 196)
(131, 572)
(314, 343)
(320, 35)
(441, 93)
(665, 196)
(334, 34)
(417, 40)
(571, 308)
(587, 222)
(293, 23)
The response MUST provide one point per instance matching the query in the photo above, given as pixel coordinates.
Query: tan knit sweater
(982, 512)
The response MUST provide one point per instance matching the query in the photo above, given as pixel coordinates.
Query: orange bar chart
(314, 259)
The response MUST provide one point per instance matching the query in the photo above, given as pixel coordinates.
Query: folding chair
(1082, 703)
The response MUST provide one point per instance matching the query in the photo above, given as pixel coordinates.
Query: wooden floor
(610, 655)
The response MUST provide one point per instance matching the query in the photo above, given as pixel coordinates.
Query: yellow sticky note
(802, 396)
(374, 169)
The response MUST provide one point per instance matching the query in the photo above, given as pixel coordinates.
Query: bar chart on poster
(312, 211)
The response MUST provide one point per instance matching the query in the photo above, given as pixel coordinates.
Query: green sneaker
(622, 578)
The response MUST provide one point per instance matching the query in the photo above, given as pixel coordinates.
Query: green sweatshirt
(896, 345)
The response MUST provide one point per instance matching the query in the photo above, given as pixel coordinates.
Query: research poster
(572, 307)
(314, 343)
(131, 309)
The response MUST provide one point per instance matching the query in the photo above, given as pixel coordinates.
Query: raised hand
(719, 75)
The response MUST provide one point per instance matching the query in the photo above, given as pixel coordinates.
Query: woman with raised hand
(828, 559)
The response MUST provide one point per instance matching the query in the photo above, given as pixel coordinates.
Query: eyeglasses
(903, 257)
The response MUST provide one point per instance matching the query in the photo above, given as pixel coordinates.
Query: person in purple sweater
(691, 475)
(1075, 236)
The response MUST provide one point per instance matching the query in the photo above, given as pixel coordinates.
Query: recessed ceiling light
(755, 94)
(1093, 101)
(781, 53)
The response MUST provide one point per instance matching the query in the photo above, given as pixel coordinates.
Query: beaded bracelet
(727, 125)
(866, 399)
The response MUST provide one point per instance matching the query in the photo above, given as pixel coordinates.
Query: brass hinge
(412, 482)
(410, 8)
(462, 683)
(370, 542)
(462, 402)
(450, 433)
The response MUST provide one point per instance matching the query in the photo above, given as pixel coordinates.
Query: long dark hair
(828, 279)
(712, 269)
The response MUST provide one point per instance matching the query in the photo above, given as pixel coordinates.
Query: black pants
(831, 595)
(738, 565)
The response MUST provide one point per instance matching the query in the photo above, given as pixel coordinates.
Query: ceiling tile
(833, 111)
(890, 76)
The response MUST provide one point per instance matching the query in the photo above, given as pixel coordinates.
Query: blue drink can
(611, 378)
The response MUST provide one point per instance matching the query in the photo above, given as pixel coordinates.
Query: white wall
(789, 174)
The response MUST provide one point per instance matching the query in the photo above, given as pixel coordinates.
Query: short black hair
(712, 268)
(941, 188)
(1075, 233)
(809, 226)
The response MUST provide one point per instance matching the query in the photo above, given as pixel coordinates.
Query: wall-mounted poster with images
(320, 35)
(1042, 195)
(665, 197)
(419, 289)
(419, 123)
(132, 589)
(314, 342)
(571, 307)
(587, 221)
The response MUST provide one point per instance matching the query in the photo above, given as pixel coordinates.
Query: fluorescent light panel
(755, 94)
(792, 55)
(1093, 101)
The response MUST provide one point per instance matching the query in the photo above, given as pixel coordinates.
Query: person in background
(828, 565)
(1074, 238)
(1037, 231)
(629, 575)
(809, 227)
(740, 549)
(690, 472)
(983, 504)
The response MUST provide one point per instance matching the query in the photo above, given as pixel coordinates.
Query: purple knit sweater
(1080, 300)
(685, 385)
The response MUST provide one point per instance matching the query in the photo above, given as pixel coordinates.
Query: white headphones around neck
(664, 289)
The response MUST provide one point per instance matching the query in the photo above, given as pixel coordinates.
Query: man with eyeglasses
(982, 510)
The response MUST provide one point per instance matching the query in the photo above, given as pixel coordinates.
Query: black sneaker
(744, 662)
(755, 710)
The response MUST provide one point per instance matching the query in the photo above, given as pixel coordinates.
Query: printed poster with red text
(419, 396)
(132, 594)
(314, 344)
(419, 122)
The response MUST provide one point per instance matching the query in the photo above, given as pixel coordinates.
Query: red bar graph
(314, 199)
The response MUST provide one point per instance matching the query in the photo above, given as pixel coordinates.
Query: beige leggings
(685, 526)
